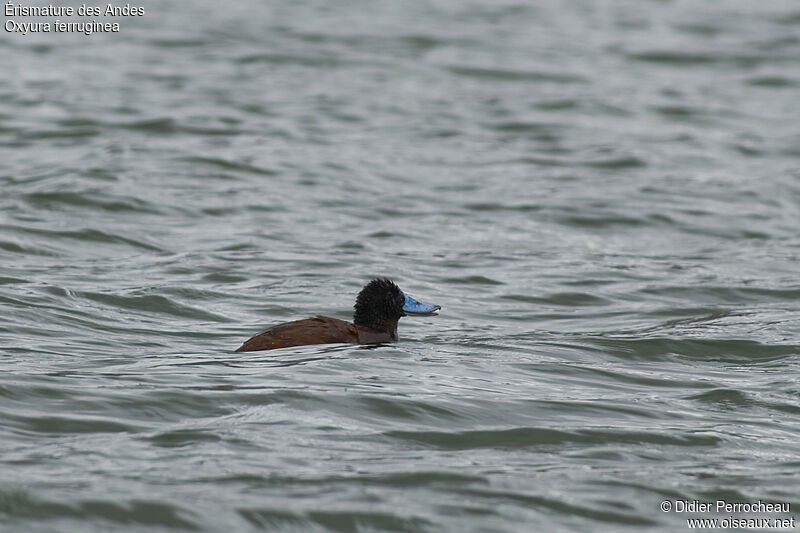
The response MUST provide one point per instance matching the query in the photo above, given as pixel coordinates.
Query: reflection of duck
(379, 306)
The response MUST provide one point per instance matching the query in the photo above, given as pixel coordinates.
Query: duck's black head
(381, 303)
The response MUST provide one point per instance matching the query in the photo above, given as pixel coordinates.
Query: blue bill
(414, 307)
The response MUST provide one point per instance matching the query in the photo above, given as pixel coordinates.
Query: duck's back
(315, 330)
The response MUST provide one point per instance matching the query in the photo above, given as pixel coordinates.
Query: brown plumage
(316, 330)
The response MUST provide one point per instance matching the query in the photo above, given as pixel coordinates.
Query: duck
(378, 308)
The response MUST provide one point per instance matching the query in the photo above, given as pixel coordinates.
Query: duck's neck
(381, 327)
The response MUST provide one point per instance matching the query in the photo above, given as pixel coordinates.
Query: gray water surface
(603, 196)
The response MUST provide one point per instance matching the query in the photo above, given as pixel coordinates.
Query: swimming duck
(378, 308)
